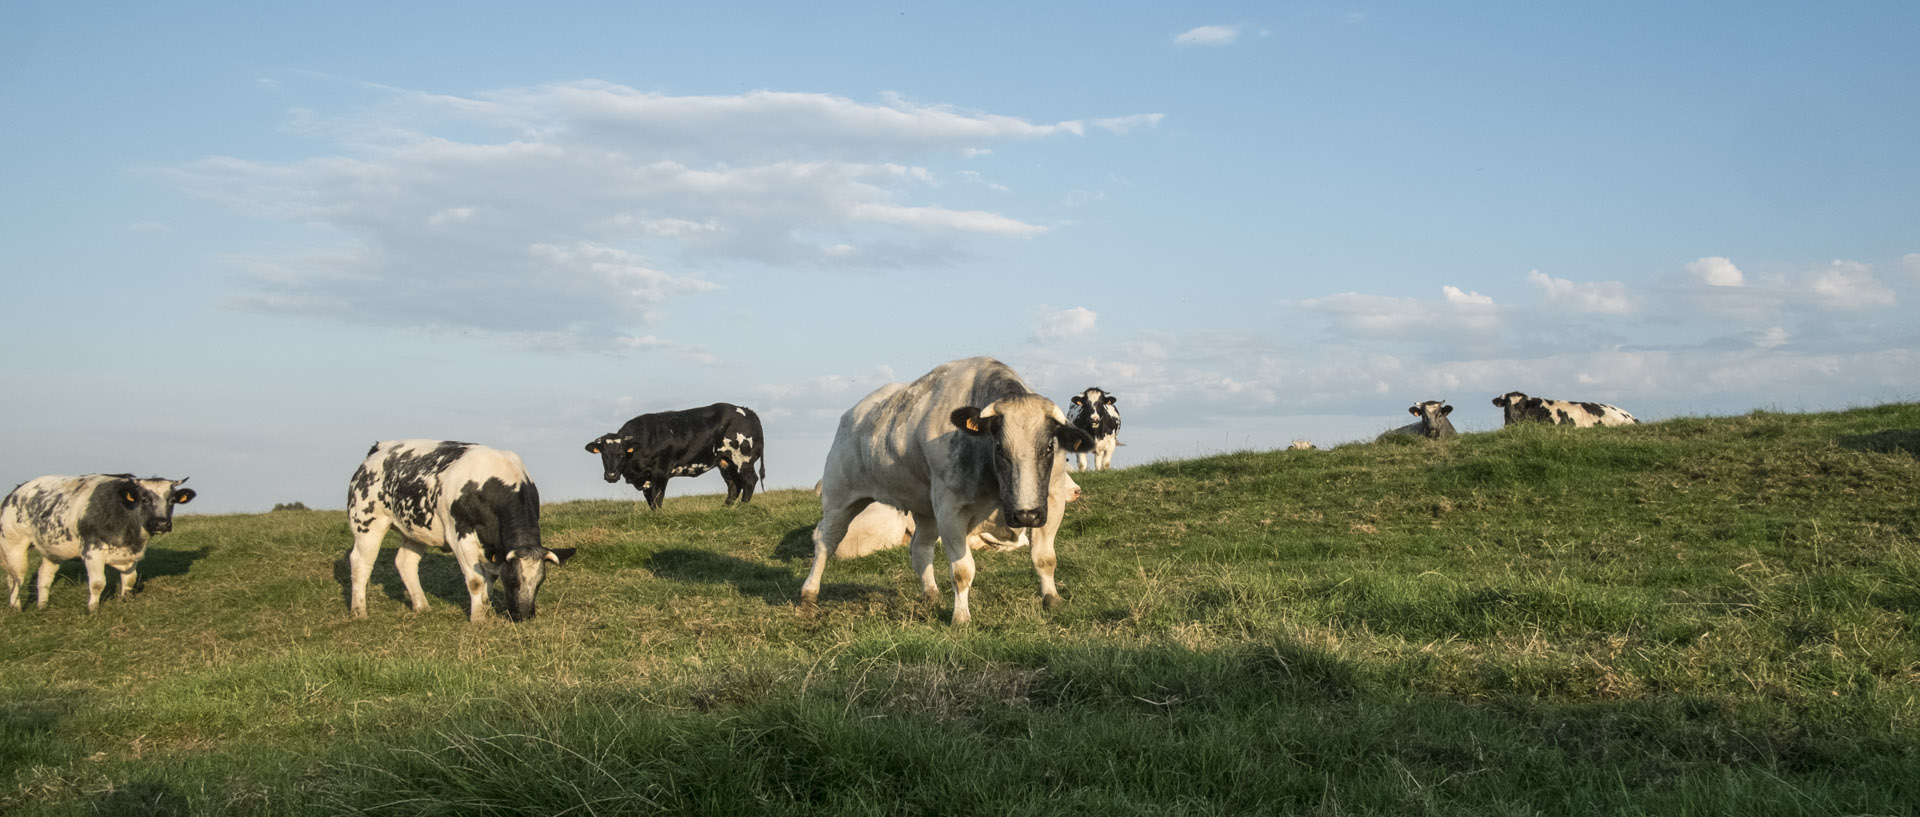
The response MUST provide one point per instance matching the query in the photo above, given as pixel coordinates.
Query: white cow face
(151, 501)
(1434, 424)
(521, 573)
(1023, 431)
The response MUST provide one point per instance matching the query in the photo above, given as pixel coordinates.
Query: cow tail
(763, 468)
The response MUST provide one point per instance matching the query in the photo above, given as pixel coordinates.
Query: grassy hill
(1700, 616)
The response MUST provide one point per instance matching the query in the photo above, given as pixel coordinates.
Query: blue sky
(243, 241)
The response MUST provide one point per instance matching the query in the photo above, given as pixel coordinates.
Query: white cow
(473, 500)
(104, 519)
(950, 448)
(1518, 407)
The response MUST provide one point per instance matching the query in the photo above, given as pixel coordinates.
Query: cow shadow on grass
(141, 798)
(1890, 441)
(773, 585)
(797, 544)
(440, 578)
(163, 562)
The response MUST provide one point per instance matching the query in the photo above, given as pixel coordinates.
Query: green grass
(1701, 616)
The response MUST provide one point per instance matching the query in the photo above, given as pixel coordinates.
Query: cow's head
(1024, 431)
(1516, 405)
(1434, 424)
(522, 570)
(1096, 407)
(149, 501)
(614, 451)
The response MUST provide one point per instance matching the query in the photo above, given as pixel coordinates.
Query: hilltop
(1702, 615)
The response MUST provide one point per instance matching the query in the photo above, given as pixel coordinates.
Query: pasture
(1699, 616)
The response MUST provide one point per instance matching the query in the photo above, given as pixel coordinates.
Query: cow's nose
(159, 526)
(612, 477)
(1027, 519)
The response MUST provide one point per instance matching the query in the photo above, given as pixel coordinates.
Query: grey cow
(104, 519)
(964, 440)
(1433, 423)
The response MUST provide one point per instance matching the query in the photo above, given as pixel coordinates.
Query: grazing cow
(1093, 411)
(652, 448)
(470, 499)
(1519, 407)
(950, 448)
(1433, 423)
(105, 519)
(1300, 445)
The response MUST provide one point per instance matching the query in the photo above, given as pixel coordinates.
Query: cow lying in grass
(881, 527)
(1521, 408)
(1433, 423)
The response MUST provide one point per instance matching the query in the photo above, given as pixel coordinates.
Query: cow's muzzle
(613, 476)
(159, 525)
(1031, 518)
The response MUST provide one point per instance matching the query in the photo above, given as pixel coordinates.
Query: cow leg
(366, 546)
(406, 561)
(925, 531)
(43, 583)
(466, 551)
(15, 557)
(96, 577)
(130, 580)
(835, 516)
(1042, 548)
(953, 533)
(730, 474)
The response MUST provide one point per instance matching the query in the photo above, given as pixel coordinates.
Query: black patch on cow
(42, 509)
(1594, 409)
(1563, 415)
(107, 521)
(504, 517)
(688, 441)
(411, 483)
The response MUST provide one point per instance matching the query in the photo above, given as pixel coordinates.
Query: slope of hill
(1711, 616)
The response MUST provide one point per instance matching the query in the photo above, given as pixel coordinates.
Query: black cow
(1094, 411)
(652, 448)
(104, 519)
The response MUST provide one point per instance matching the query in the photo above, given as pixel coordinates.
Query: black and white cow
(1433, 423)
(1520, 408)
(963, 441)
(104, 519)
(652, 448)
(1093, 411)
(470, 499)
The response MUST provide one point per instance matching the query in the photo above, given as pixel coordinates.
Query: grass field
(1699, 616)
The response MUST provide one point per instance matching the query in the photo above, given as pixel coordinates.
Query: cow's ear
(1073, 439)
(1079, 399)
(593, 447)
(968, 419)
(183, 496)
(1446, 410)
(1500, 402)
(1111, 400)
(560, 556)
(1414, 410)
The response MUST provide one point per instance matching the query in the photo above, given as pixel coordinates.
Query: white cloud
(1849, 285)
(1065, 323)
(1774, 337)
(1717, 272)
(1601, 297)
(1208, 35)
(1911, 263)
(1454, 295)
(577, 209)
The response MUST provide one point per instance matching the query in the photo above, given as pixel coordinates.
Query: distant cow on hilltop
(652, 448)
(1520, 408)
(1433, 423)
(1095, 411)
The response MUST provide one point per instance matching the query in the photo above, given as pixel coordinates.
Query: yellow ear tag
(594, 450)
(129, 495)
(973, 424)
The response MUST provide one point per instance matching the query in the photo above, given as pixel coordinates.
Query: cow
(104, 519)
(470, 499)
(652, 448)
(1520, 408)
(1433, 423)
(966, 439)
(1300, 445)
(1094, 412)
(881, 526)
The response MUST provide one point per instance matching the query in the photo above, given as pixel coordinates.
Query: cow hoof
(961, 619)
(1051, 602)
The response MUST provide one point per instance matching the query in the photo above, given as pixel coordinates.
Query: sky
(243, 241)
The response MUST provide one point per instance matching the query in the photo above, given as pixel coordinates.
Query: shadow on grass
(775, 586)
(440, 578)
(26, 728)
(163, 562)
(1891, 441)
(797, 544)
(141, 798)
